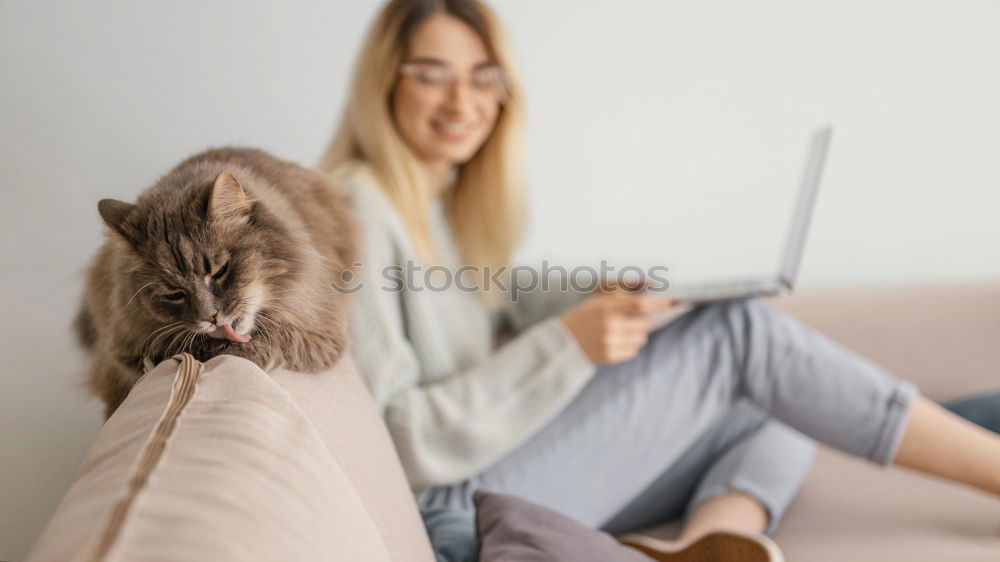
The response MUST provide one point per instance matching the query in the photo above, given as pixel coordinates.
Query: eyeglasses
(487, 80)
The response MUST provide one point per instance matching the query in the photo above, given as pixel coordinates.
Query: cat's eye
(175, 297)
(221, 272)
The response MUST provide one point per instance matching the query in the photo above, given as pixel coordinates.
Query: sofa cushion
(341, 409)
(218, 462)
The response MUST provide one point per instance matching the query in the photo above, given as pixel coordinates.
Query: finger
(631, 325)
(616, 309)
(623, 352)
(637, 285)
(630, 285)
(622, 337)
(625, 316)
(622, 303)
(649, 303)
(617, 327)
(623, 343)
(609, 286)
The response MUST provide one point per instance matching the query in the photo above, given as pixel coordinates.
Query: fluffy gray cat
(232, 252)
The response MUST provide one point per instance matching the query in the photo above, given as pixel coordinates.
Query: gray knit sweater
(454, 403)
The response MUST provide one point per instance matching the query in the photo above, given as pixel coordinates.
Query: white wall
(678, 130)
(662, 132)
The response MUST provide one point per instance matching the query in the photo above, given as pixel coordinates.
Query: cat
(232, 252)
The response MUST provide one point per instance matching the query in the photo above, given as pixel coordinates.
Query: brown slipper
(719, 546)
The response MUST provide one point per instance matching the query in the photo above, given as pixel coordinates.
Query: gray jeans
(723, 398)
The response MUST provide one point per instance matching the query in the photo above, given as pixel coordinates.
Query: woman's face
(448, 95)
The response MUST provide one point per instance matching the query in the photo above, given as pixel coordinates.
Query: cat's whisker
(288, 298)
(137, 292)
(164, 332)
(170, 336)
(242, 311)
(272, 322)
(278, 335)
(291, 290)
(182, 342)
(191, 340)
(188, 342)
(259, 326)
(170, 343)
(308, 291)
(268, 304)
(291, 302)
(156, 349)
(283, 330)
(266, 318)
(160, 329)
(173, 341)
(296, 313)
(266, 333)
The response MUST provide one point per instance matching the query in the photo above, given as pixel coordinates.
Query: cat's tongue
(227, 332)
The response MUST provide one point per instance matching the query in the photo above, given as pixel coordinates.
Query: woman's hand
(612, 325)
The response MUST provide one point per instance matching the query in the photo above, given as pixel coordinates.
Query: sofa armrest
(221, 461)
(943, 338)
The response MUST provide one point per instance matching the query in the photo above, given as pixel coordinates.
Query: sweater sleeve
(530, 300)
(451, 427)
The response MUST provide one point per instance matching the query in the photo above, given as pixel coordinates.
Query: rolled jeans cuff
(896, 416)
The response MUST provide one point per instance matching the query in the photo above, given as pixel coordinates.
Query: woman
(585, 410)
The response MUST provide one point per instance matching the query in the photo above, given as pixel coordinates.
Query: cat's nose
(213, 318)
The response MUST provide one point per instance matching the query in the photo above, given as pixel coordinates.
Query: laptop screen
(804, 205)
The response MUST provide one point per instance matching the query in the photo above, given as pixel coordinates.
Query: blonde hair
(485, 208)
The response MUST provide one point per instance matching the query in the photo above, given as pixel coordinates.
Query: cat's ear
(228, 201)
(114, 213)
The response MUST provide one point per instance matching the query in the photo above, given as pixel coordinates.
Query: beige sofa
(222, 462)
(945, 339)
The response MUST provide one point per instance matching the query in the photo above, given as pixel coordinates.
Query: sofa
(220, 461)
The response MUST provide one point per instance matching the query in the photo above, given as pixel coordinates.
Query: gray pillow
(511, 528)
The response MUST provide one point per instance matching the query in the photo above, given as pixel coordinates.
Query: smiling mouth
(453, 131)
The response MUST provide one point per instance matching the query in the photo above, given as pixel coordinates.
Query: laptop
(784, 279)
